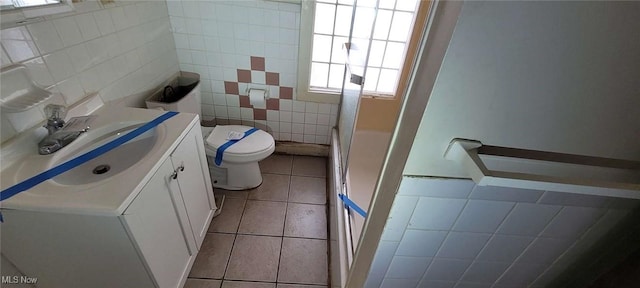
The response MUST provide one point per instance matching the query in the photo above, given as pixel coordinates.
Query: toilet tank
(190, 103)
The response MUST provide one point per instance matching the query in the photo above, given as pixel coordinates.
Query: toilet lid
(256, 142)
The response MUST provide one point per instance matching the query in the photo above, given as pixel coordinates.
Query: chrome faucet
(57, 137)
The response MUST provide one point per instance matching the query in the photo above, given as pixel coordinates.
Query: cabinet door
(153, 222)
(196, 192)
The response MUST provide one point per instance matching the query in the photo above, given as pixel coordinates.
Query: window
(330, 29)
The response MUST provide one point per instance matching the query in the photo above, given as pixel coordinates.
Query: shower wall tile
(242, 45)
(116, 51)
(458, 234)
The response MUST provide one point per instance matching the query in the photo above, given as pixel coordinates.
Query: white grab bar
(466, 154)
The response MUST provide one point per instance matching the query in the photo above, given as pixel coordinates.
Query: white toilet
(238, 168)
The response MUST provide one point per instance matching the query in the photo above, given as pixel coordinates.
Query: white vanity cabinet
(170, 216)
(152, 243)
(192, 174)
(155, 226)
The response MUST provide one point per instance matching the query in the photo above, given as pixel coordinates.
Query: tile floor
(272, 236)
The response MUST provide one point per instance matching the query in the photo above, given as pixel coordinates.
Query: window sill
(319, 96)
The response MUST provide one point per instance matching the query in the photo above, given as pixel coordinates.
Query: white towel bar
(467, 154)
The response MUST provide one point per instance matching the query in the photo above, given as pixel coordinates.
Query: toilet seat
(254, 147)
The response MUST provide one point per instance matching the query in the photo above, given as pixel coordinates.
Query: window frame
(307, 18)
(304, 90)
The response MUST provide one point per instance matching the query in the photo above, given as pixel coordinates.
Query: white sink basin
(110, 190)
(108, 164)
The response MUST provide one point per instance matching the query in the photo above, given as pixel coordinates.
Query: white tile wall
(485, 236)
(482, 216)
(463, 245)
(504, 248)
(215, 38)
(118, 50)
(484, 272)
(447, 210)
(528, 219)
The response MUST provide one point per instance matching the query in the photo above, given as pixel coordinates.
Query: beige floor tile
(212, 259)
(306, 220)
(254, 258)
(202, 283)
(308, 190)
(277, 164)
(280, 285)
(274, 188)
(242, 194)
(229, 219)
(303, 261)
(240, 284)
(263, 218)
(309, 166)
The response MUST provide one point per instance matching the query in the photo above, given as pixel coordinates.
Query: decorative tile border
(249, 77)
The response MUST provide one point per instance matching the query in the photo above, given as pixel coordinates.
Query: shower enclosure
(367, 117)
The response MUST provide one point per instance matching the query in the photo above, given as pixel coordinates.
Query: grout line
(235, 237)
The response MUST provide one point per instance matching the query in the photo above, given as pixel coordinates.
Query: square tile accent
(286, 93)
(258, 77)
(273, 78)
(273, 104)
(263, 218)
(257, 63)
(259, 114)
(229, 219)
(309, 166)
(308, 190)
(306, 221)
(202, 283)
(244, 76)
(245, 102)
(231, 88)
(213, 256)
(277, 164)
(274, 187)
(254, 258)
(311, 269)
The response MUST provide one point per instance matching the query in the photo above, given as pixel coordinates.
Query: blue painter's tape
(352, 205)
(225, 146)
(75, 162)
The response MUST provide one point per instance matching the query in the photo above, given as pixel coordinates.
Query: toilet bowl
(239, 168)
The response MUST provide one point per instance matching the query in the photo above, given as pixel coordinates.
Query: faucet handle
(53, 111)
